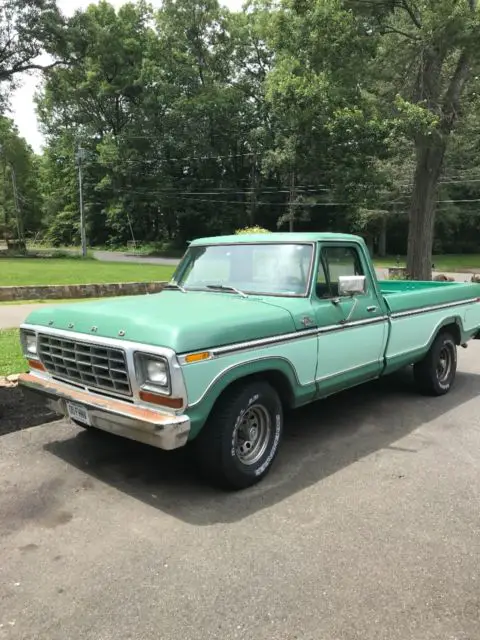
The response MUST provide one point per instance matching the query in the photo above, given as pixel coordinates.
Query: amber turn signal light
(197, 357)
(35, 364)
(166, 401)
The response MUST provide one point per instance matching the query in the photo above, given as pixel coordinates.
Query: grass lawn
(11, 358)
(15, 303)
(462, 262)
(25, 271)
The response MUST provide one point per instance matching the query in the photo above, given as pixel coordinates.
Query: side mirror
(352, 285)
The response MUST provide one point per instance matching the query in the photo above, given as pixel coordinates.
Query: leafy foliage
(248, 230)
(194, 120)
(20, 198)
(28, 28)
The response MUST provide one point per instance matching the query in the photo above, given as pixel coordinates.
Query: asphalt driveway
(367, 528)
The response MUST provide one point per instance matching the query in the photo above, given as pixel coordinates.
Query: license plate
(77, 412)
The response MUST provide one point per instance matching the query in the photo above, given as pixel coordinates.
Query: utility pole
(292, 201)
(17, 203)
(253, 200)
(83, 236)
(4, 181)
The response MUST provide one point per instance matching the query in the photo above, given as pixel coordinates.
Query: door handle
(371, 309)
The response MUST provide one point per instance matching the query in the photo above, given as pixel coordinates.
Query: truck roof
(277, 237)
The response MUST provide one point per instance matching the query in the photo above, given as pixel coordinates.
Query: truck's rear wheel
(435, 374)
(238, 444)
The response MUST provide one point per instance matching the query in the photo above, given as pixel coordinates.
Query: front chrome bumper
(115, 416)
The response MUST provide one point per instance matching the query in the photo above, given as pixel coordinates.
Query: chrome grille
(90, 365)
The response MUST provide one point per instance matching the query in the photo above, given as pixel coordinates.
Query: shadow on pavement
(17, 411)
(320, 440)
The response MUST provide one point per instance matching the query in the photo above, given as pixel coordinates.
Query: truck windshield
(276, 269)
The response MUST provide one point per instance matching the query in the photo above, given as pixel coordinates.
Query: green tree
(28, 28)
(428, 54)
(324, 115)
(328, 133)
(20, 198)
(163, 105)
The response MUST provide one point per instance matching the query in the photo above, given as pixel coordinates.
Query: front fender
(276, 367)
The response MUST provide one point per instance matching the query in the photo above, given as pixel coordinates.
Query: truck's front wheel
(435, 374)
(238, 444)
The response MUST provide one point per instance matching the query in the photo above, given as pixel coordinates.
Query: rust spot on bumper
(137, 423)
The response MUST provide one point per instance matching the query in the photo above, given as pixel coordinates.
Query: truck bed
(404, 295)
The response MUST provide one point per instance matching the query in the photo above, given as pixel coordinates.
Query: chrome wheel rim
(444, 365)
(253, 434)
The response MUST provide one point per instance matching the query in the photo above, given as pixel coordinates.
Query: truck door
(352, 330)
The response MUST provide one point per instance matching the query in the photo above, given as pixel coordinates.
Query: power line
(453, 201)
(196, 158)
(226, 192)
(192, 197)
(463, 181)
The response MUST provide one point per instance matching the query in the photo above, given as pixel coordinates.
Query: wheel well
(278, 380)
(454, 329)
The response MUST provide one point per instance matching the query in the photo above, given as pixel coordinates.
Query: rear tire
(238, 444)
(435, 374)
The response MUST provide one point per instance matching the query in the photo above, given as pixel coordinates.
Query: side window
(336, 262)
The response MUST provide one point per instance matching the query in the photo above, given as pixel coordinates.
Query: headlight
(29, 341)
(157, 372)
(152, 371)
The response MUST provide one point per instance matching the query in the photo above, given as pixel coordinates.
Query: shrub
(251, 230)
(441, 277)
(397, 273)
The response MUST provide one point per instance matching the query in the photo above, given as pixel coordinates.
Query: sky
(23, 107)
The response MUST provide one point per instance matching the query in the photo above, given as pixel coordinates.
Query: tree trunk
(430, 152)
(382, 240)
(429, 162)
(291, 218)
(5, 207)
(371, 248)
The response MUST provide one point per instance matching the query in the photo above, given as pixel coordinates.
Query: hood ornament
(121, 333)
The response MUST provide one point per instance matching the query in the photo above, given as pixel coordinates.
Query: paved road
(13, 315)
(366, 529)
(382, 274)
(116, 256)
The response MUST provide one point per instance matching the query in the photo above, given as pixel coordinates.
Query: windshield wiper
(175, 285)
(226, 287)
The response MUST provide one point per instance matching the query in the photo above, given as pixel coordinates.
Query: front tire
(435, 374)
(238, 444)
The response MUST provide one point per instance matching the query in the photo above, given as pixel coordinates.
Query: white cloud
(23, 107)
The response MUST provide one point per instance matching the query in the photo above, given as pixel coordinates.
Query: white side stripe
(306, 333)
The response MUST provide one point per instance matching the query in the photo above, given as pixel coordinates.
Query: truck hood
(182, 321)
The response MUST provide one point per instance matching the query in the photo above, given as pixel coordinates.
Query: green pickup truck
(249, 326)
